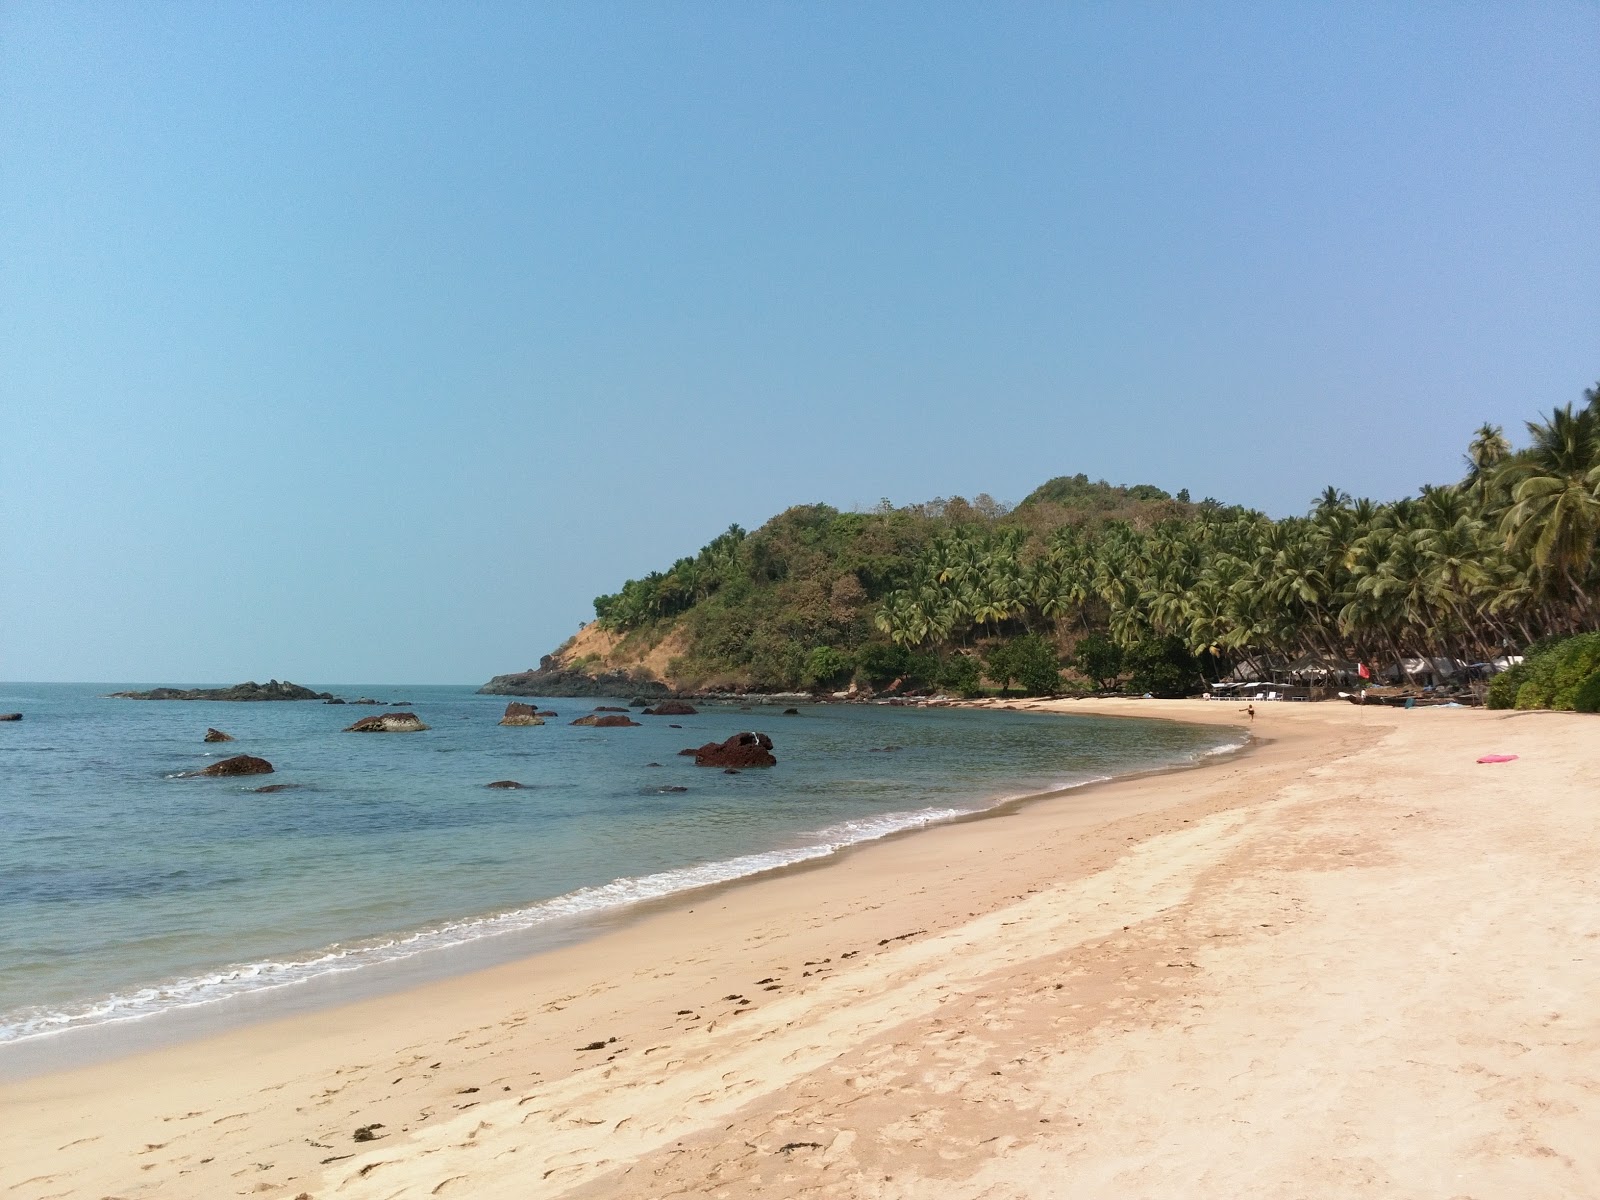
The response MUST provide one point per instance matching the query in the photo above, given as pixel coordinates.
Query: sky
(369, 342)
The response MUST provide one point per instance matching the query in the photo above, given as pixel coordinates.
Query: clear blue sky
(368, 342)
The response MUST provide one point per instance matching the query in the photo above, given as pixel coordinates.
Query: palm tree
(1555, 511)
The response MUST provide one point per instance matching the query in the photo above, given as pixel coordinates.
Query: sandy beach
(1348, 962)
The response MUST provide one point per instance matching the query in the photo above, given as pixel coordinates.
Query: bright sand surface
(1350, 962)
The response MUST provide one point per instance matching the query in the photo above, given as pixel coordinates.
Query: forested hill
(1124, 584)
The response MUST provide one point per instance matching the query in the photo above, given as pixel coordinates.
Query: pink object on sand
(1498, 758)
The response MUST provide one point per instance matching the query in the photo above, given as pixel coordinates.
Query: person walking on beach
(1251, 710)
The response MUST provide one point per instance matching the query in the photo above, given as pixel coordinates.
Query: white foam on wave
(257, 977)
(1225, 748)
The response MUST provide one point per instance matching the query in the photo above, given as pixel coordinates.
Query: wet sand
(1350, 961)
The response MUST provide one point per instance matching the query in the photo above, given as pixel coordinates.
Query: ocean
(129, 890)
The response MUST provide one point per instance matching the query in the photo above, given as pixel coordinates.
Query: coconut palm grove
(1088, 585)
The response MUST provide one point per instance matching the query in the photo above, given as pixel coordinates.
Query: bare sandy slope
(1350, 963)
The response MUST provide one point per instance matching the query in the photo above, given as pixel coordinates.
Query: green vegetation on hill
(1133, 585)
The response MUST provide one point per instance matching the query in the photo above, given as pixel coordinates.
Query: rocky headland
(551, 678)
(271, 690)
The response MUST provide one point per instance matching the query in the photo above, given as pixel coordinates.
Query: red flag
(1365, 674)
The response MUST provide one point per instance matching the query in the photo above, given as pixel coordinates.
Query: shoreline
(466, 945)
(777, 996)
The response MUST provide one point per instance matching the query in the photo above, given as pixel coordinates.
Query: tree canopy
(1133, 581)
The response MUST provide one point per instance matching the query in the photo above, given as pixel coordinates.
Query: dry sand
(1351, 962)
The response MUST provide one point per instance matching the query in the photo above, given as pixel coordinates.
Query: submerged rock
(216, 735)
(10, 716)
(518, 713)
(741, 750)
(273, 788)
(506, 784)
(672, 708)
(239, 764)
(608, 708)
(606, 722)
(403, 722)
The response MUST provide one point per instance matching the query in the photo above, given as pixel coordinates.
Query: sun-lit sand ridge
(1351, 962)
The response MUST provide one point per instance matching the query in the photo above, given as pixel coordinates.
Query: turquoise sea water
(128, 890)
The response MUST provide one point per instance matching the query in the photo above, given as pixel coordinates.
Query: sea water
(130, 888)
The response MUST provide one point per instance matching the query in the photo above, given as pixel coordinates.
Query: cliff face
(593, 664)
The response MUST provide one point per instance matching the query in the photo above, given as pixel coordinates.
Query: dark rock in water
(608, 708)
(10, 716)
(239, 764)
(606, 722)
(388, 723)
(271, 690)
(548, 712)
(518, 713)
(666, 790)
(672, 708)
(335, 700)
(691, 751)
(791, 712)
(731, 771)
(652, 764)
(639, 702)
(273, 788)
(741, 750)
(366, 700)
(507, 784)
(216, 735)
(552, 679)
(674, 726)
(401, 703)
(882, 749)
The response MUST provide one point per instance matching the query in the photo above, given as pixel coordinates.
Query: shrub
(1038, 666)
(1162, 667)
(1530, 695)
(1550, 677)
(961, 674)
(1586, 698)
(1503, 687)
(824, 666)
(1030, 660)
(881, 662)
(1098, 658)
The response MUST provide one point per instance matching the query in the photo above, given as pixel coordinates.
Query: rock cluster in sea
(609, 721)
(518, 713)
(216, 735)
(271, 690)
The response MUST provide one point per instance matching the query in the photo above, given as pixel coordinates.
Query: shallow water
(127, 889)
